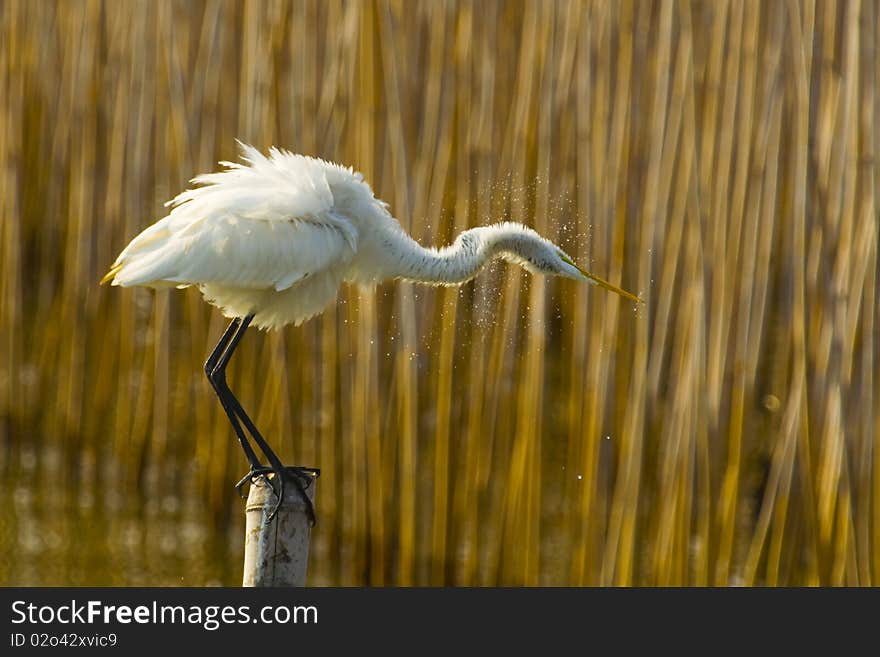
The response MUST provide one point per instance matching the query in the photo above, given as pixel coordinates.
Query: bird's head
(539, 255)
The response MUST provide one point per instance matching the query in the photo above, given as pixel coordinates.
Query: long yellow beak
(595, 280)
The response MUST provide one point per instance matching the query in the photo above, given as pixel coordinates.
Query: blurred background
(718, 158)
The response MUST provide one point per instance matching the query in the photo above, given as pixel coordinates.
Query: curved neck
(463, 259)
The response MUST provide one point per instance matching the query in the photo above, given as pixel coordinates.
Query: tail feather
(110, 275)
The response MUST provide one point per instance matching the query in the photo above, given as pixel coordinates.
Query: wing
(234, 251)
(256, 225)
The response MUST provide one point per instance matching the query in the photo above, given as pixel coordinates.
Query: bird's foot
(301, 477)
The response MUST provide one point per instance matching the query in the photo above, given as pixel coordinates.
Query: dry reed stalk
(672, 469)
(405, 376)
(441, 364)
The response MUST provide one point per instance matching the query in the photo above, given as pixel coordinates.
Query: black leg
(217, 376)
(210, 364)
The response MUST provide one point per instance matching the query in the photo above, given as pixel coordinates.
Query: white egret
(269, 242)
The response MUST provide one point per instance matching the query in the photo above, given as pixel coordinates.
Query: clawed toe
(262, 470)
(299, 475)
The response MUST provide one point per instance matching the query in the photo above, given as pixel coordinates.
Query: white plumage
(274, 237)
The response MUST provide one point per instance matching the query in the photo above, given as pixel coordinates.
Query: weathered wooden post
(276, 552)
